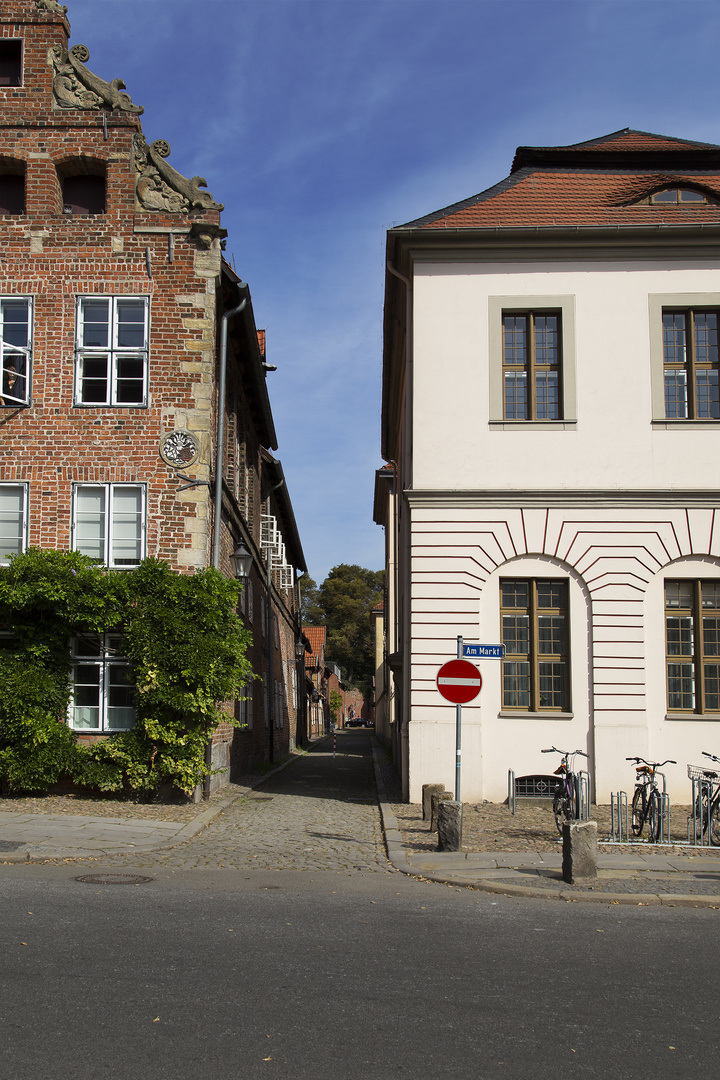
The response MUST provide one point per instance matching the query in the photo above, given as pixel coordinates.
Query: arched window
(678, 195)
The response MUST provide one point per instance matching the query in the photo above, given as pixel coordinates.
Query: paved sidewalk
(316, 812)
(630, 877)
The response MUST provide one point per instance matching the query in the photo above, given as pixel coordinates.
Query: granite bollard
(450, 815)
(436, 799)
(428, 790)
(579, 863)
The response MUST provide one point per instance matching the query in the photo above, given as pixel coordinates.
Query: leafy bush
(186, 649)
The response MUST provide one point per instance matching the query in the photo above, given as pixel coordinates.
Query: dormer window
(673, 196)
(11, 62)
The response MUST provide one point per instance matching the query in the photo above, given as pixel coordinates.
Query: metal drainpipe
(219, 458)
(220, 447)
(270, 635)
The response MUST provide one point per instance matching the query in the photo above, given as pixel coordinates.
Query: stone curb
(192, 829)
(398, 857)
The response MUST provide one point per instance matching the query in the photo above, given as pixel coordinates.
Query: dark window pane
(130, 382)
(708, 398)
(676, 395)
(687, 195)
(712, 686)
(84, 194)
(11, 63)
(674, 337)
(131, 324)
(15, 323)
(667, 196)
(12, 194)
(516, 395)
(515, 330)
(515, 594)
(547, 395)
(96, 324)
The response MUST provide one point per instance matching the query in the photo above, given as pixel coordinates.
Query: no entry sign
(459, 681)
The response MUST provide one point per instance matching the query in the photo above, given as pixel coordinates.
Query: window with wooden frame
(692, 646)
(534, 621)
(690, 364)
(532, 365)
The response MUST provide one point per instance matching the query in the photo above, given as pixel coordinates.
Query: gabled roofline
(587, 153)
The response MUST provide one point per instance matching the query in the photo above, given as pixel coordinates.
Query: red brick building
(115, 301)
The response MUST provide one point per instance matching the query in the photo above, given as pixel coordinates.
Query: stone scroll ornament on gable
(160, 187)
(75, 87)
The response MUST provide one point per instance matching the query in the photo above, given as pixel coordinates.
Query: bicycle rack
(703, 788)
(620, 831)
(511, 791)
(664, 837)
(583, 789)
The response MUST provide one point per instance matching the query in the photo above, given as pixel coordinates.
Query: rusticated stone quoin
(428, 790)
(450, 816)
(579, 852)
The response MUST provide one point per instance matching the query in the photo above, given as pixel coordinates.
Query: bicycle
(647, 802)
(707, 802)
(566, 802)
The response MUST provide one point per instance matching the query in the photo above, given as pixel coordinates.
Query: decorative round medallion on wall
(179, 449)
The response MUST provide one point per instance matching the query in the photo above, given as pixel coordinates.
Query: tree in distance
(343, 604)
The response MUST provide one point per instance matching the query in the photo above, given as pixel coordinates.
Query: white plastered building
(552, 416)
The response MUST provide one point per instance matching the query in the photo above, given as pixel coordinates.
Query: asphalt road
(240, 973)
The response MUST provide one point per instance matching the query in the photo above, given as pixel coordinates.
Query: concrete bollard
(579, 863)
(437, 797)
(450, 815)
(428, 790)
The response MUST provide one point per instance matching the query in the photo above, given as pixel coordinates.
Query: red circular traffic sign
(459, 681)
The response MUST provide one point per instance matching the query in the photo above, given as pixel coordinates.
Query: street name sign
(459, 681)
(484, 652)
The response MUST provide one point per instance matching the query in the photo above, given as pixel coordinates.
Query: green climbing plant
(187, 652)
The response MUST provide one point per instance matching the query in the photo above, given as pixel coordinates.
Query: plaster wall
(611, 442)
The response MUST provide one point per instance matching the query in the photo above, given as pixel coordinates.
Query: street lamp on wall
(241, 561)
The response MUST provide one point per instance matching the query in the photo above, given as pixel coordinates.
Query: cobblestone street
(320, 813)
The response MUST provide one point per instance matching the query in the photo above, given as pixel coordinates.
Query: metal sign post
(458, 681)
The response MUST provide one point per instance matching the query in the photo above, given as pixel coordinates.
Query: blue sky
(322, 123)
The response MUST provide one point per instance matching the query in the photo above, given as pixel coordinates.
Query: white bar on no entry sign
(452, 681)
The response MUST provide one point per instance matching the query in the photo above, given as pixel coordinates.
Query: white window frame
(112, 353)
(106, 660)
(109, 521)
(23, 537)
(15, 360)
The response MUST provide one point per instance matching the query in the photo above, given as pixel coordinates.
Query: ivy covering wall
(187, 652)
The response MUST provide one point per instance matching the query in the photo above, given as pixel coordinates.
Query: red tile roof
(316, 636)
(595, 183)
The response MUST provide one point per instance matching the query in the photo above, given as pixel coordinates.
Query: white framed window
(13, 520)
(102, 691)
(15, 350)
(109, 523)
(111, 350)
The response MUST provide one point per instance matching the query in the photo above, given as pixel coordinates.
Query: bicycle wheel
(715, 823)
(562, 809)
(638, 810)
(655, 816)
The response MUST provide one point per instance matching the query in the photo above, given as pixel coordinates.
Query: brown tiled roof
(316, 636)
(595, 183)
